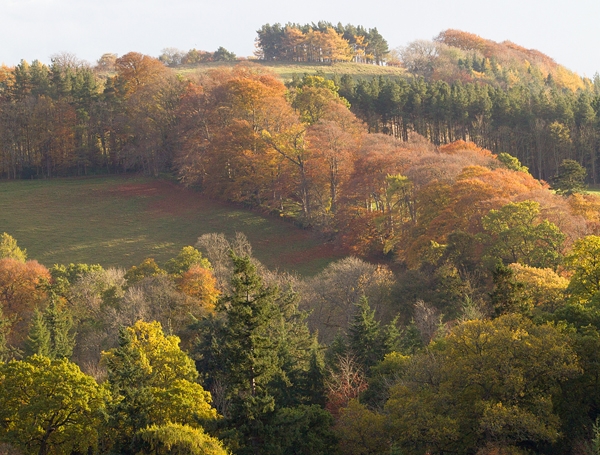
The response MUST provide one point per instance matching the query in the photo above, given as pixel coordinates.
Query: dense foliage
(322, 42)
(477, 333)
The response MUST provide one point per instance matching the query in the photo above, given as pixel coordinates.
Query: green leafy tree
(362, 431)
(63, 276)
(152, 382)
(584, 262)
(187, 257)
(49, 406)
(6, 351)
(312, 97)
(9, 248)
(178, 439)
(517, 235)
(223, 55)
(570, 178)
(489, 382)
(512, 163)
(147, 268)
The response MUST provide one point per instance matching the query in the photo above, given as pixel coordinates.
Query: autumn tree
(200, 284)
(21, 291)
(136, 70)
(335, 139)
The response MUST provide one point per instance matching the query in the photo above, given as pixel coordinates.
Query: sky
(567, 31)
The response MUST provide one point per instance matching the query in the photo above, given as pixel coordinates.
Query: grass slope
(117, 221)
(286, 70)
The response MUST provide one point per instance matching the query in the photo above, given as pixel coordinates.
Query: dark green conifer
(367, 340)
(51, 332)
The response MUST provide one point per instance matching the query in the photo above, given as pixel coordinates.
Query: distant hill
(455, 55)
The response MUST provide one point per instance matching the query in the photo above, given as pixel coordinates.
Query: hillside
(467, 320)
(116, 221)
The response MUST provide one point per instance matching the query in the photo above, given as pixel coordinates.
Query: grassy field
(593, 190)
(286, 70)
(117, 221)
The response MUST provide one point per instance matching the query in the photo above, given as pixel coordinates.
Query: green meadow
(117, 221)
(286, 70)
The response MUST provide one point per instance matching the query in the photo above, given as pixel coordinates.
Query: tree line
(322, 42)
(539, 124)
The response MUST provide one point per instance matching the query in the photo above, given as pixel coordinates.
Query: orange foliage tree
(201, 285)
(21, 292)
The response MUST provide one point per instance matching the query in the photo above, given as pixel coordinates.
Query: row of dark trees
(540, 124)
(64, 119)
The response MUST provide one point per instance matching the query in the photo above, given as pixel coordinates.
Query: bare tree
(172, 56)
(67, 60)
(428, 320)
(217, 248)
(332, 295)
(419, 56)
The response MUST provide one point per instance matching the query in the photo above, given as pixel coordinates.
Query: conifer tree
(337, 349)
(411, 339)
(51, 332)
(5, 349)
(367, 339)
(38, 340)
(261, 361)
(314, 383)
(505, 296)
(249, 353)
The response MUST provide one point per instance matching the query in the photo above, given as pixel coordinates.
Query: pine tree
(260, 351)
(60, 325)
(314, 384)
(505, 296)
(51, 333)
(411, 340)
(337, 349)
(38, 341)
(392, 336)
(249, 353)
(367, 340)
(5, 350)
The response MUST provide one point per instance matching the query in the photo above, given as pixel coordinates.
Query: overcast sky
(567, 31)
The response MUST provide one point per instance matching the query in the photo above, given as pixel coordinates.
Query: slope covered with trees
(499, 95)
(477, 333)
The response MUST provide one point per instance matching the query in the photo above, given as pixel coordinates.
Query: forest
(466, 321)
